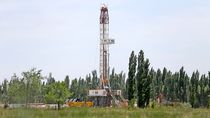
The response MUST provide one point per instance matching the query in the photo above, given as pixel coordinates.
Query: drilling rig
(104, 95)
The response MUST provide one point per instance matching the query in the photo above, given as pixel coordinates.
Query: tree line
(33, 87)
(30, 88)
(145, 84)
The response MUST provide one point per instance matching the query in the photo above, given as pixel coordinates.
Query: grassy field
(161, 112)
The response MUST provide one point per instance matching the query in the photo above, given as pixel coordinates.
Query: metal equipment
(104, 96)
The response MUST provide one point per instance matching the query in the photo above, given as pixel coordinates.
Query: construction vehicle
(78, 103)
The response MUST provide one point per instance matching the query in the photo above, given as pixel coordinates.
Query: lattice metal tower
(105, 41)
(104, 95)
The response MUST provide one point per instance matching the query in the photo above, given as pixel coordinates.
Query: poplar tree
(131, 76)
(194, 89)
(67, 81)
(148, 81)
(143, 81)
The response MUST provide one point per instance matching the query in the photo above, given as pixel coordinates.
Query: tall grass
(160, 112)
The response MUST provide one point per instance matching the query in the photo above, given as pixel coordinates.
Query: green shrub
(131, 103)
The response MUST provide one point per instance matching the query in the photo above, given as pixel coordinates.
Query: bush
(153, 104)
(131, 103)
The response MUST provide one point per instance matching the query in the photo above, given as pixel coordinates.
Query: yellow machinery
(78, 103)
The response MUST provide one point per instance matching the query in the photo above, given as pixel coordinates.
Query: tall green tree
(122, 80)
(168, 86)
(95, 80)
(194, 89)
(113, 80)
(164, 77)
(158, 83)
(203, 92)
(173, 87)
(88, 81)
(32, 79)
(140, 80)
(50, 79)
(5, 92)
(143, 81)
(186, 95)
(67, 81)
(74, 88)
(181, 84)
(176, 81)
(131, 76)
(82, 92)
(152, 75)
(148, 81)
(16, 90)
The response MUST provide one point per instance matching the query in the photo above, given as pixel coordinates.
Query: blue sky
(62, 36)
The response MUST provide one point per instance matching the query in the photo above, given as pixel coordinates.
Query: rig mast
(105, 41)
(104, 95)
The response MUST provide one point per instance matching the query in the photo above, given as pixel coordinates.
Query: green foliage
(131, 103)
(67, 81)
(88, 81)
(168, 86)
(5, 92)
(74, 88)
(208, 101)
(140, 80)
(143, 81)
(147, 82)
(57, 93)
(117, 82)
(172, 87)
(131, 76)
(153, 104)
(194, 89)
(82, 90)
(95, 80)
(152, 75)
(30, 89)
(158, 83)
(50, 79)
(80, 87)
(182, 85)
(16, 90)
(32, 80)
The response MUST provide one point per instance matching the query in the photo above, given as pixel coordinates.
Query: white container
(100, 92)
